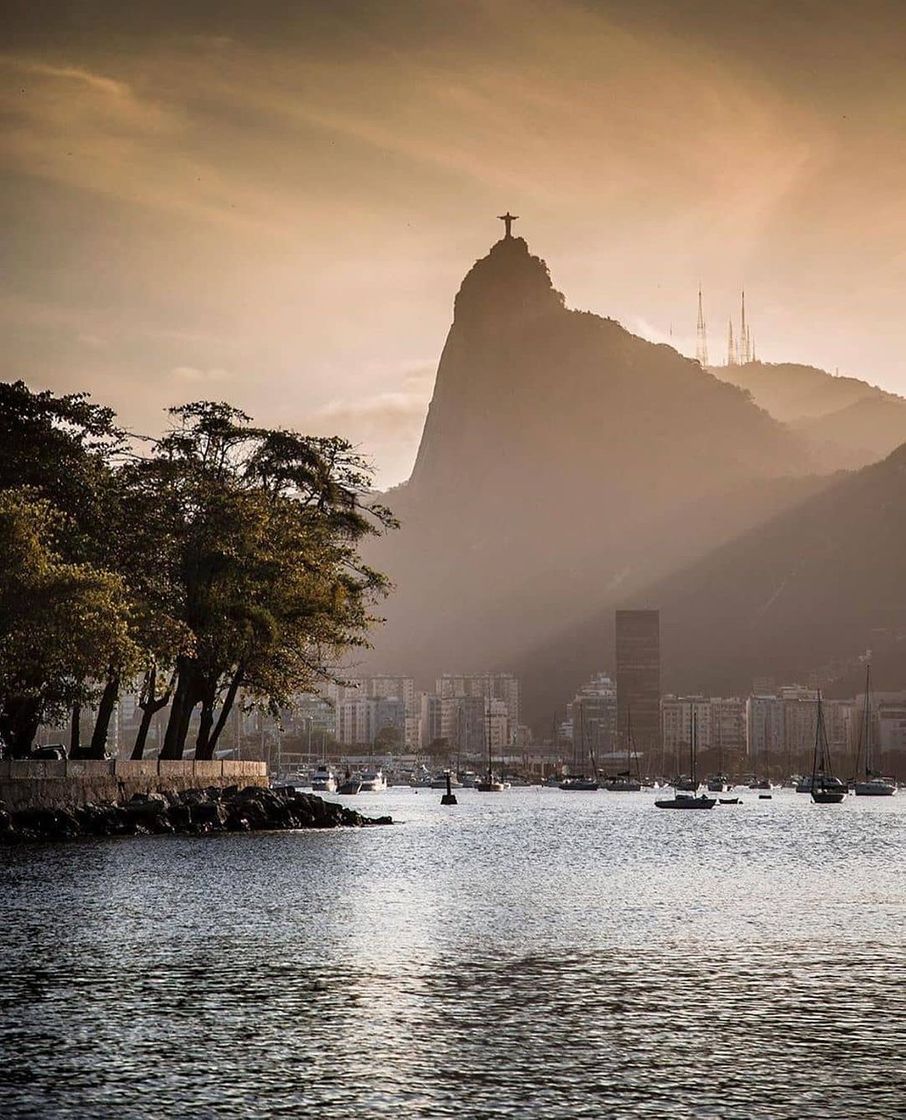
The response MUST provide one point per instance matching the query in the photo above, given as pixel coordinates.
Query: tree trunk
(138, 749)
(150, 705)
(75, 732)
(19, 723)
(184, 700)
(203, 746)
(98, 747)
(225, 710)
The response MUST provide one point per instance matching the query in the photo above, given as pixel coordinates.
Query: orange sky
(228, 202)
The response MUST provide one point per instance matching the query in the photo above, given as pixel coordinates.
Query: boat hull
(875, 789)
(827, 796)
(687, 803)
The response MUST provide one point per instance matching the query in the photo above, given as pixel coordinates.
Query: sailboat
(490, 784)
(826, 789)
(719, 782)
(756, 782)
(684, 800)
(578, 782)
(624, 782)
(872, 784)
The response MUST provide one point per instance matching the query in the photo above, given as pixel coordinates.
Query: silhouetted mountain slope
(847, 422)
(563, 460)
(805, 593)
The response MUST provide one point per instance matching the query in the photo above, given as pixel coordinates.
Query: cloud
(193, 374)
(385, 426)
(382, 416)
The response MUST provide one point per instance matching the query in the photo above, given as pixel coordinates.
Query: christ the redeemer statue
(508, 220)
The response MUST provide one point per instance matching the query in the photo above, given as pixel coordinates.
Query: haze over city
(275, 207)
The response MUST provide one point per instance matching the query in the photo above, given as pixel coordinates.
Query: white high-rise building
(495, 686)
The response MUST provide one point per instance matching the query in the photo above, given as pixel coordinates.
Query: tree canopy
(225, 552)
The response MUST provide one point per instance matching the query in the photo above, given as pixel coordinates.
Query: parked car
(51, 751)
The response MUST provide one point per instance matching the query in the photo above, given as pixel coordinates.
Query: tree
(257, 532)
(61, 449)
(61, 624)
(387, 739)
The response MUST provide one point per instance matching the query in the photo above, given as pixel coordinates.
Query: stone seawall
(52, 784)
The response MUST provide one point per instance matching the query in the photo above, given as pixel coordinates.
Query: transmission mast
(701, 335)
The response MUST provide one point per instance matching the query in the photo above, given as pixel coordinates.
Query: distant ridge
(811, 589)
(846, 422)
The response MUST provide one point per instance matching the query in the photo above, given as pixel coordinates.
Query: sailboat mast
(692, 743)
(720, 739)
(488, 722)
(867, 717)
(819, 720)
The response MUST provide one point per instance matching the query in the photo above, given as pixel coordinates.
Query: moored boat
(439, 781)
(687, 798)
(578, 782)
(687, 801)
(628, 780)
(373, 781)
(876, 787)
(871, 784)
(622, 784)
(323, 779)
(491, 783)
(826, 788)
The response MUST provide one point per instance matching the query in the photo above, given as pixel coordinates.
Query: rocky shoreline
(193, 812)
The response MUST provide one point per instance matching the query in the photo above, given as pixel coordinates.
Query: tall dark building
(639, 679)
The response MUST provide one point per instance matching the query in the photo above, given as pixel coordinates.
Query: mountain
(846, 422)
(800, 597)
(564, 462)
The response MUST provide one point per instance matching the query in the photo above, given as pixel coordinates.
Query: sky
(275, 204)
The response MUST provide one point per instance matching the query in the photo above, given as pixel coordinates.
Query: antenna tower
(701, 335)
(744, 354)
(731, 345)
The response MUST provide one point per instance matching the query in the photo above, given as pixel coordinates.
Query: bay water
(528, 953)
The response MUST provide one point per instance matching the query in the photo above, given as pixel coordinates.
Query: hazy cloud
(190, 373)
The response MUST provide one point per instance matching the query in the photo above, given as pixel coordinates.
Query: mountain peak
(509, 282)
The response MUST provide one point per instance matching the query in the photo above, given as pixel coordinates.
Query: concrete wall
(66, 785)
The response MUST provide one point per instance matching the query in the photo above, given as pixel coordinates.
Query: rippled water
(533, 953)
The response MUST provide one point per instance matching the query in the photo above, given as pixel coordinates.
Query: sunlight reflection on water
(537, 953)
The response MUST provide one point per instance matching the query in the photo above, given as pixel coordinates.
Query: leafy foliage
(225, 551)
(261, 529)
(61, 624)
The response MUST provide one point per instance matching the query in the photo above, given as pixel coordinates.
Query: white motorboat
(323, 779)
(439, 781)
(373, 781)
